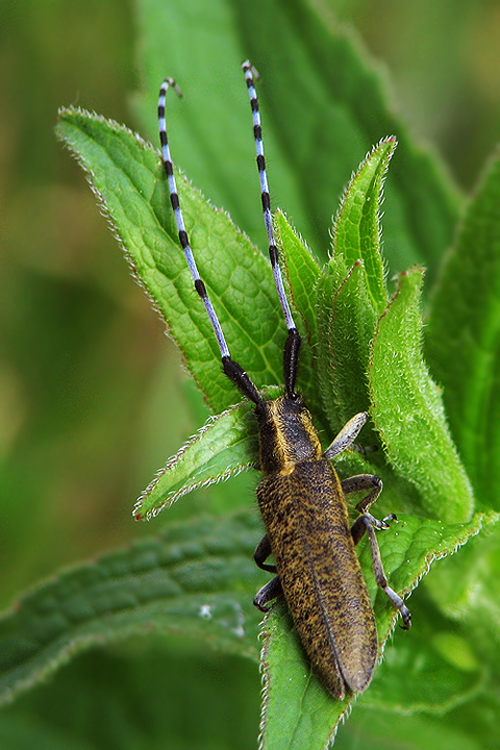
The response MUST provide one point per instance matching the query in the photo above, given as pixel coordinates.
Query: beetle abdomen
(308, 527)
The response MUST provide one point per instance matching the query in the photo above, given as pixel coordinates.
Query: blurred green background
(92, 398)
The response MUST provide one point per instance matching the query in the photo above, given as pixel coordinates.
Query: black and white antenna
(183, 238)
(292, 346)
(231, 368)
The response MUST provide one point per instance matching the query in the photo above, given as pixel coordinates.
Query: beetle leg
(262, 552)
(359, 526)
(267, 593)
(346, 436)
(368, 523)
(357, 484)
(272, 589)
(363, 482)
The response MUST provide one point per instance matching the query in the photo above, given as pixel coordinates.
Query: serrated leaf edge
(189, 487)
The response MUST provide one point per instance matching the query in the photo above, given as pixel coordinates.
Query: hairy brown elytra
(301, 498)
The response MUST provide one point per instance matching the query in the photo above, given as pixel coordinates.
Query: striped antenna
(292, 346)
(231, 368)
(183, 238)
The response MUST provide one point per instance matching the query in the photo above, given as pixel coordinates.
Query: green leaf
(469, 590)
(408, 412)
(435, 666)
(463, 337)
(477, 718)
(346, 325)
(324, 105)
(24, 731)
(298, 712)
(377, 730)
(351, 291)
(196, 578)
(302, 273)
(357, 230)
(434, 669)
(221, 449)
(139, 694)
(408, 551)
(126, 175)
(330, 118)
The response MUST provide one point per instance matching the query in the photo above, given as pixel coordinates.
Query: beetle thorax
(287, 435)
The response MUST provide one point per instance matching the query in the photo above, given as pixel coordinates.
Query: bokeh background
(92, 398)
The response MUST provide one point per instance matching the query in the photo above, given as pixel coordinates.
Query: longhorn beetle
(301, 498)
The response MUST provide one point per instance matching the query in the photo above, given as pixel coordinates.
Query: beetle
(301, 498)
